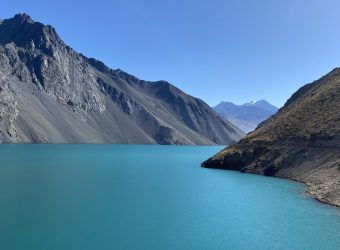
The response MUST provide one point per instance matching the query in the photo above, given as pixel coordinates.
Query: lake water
(150, 197)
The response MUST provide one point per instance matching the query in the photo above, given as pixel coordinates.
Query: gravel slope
(50, 93)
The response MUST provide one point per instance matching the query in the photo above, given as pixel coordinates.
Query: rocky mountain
(300, 142)
(246, 116)
(50, 93)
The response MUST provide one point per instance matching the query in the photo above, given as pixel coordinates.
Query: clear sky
(237, 50)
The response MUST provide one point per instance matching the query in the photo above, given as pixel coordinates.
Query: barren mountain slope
(300, 142)
(50, 93)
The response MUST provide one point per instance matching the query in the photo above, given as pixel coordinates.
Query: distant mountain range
(300, 142)
(49, 93)
(246, 116)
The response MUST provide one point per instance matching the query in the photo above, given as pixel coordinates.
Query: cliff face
(50, 93)
(300, 142)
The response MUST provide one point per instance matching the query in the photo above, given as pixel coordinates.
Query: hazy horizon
(235, 51)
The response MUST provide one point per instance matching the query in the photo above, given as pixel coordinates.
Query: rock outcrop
(50, 93)
(301, 142)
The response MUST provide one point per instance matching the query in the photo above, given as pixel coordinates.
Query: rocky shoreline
(316, 167)
(301, 142)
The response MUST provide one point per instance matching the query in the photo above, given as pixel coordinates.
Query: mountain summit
(246, 116)
(300, 142)
(50, 93)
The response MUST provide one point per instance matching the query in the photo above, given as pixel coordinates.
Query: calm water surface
(150, 197)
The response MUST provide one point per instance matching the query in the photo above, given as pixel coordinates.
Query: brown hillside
(300, 142)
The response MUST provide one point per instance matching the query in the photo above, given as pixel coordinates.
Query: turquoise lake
(150, 197)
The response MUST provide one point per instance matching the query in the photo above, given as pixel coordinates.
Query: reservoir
(150, 197)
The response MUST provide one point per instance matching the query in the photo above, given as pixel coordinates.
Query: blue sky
(215, 50)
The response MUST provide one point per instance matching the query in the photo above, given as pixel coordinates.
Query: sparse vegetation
(300, 142)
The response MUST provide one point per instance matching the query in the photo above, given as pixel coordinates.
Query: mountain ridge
(300, 142)
(52, 94)
(246, 116)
